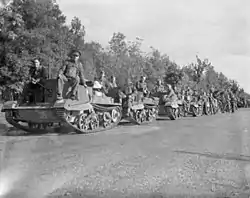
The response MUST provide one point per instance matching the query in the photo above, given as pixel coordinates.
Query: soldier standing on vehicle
(141, 86)
(71, 72)
(130, 92)
(38, 74)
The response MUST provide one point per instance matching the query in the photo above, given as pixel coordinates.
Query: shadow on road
(12, 131)
(225, 156)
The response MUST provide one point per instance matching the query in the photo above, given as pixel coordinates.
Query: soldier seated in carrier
(159, 88)
(97, 87)
(170, 95)
(72, 73)
(38, 75)
(104, 82)
(115, 91)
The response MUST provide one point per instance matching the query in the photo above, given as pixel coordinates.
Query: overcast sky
(214, 29)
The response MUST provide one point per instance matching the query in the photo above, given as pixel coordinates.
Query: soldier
(245, 101)
(130, 89)
(38, 74)
(212, 102)
(195, 96)
(114, 91)
(141, 86)
(113, 82)
(130, 92)
(104, 82)
(159, 88)
(175, 89)
(232, 97)
(71, 72)
(189, 94)
(182, 95)
(170, 94)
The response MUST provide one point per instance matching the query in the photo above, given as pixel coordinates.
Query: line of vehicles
(94, 111)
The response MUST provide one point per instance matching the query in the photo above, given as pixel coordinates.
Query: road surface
(207, 156)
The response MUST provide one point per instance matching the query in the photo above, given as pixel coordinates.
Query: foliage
(30, 28)
(173, 75)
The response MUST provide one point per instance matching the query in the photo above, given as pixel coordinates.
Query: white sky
(214, 29)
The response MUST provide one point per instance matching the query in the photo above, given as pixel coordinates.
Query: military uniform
(130, 91)
(141, 86)
(72, 73)
(170, 95)
(232, 96)
(187, 96)
(112, 85)
(195, 96)
(40, 73)
(105, 84)
(36, 74)
(159, 89)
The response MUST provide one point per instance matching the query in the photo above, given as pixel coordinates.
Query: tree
(199, 69)
(117, 44)
(210, 78)
(78, 31)
(37, 28)
(173, 75)
(33, 29)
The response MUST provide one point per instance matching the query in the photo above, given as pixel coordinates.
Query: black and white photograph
(124, 99)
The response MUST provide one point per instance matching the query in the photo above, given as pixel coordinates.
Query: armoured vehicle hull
(143, 110)
(90, 113)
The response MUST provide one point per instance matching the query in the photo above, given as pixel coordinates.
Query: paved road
(195, 157)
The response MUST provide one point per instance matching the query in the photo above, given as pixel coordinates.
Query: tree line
(30, 28)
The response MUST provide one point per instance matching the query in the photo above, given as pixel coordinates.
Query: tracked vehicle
(167, 108)
(143, 110)
(92, 112)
